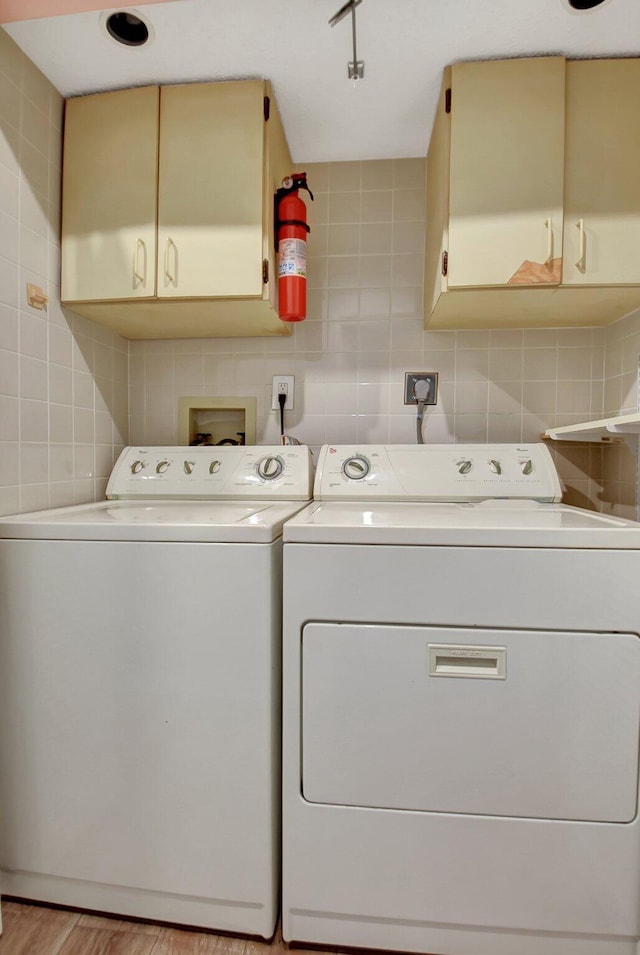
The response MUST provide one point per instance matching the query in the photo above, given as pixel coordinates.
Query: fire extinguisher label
(292, 258)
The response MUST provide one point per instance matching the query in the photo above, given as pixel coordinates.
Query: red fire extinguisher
(291, 245)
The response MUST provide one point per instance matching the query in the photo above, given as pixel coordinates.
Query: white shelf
(605, 431)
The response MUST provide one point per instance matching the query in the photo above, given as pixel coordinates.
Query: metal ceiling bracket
(348, 7)
(355, 67)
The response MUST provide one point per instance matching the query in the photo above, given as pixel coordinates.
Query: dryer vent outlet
(413, 390)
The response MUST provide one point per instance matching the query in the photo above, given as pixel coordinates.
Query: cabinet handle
(171, 276)
(549, 229)
(140, 276)
(581, 263)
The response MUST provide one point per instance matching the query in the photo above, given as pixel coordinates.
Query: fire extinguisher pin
(290, 184)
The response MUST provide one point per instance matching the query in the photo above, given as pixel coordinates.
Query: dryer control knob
(527, 466)
(495, 466)
(356, 468)
(161, 467)
(465, 466)
(270, 468)
(214, 467)
(136, 467)
(189, 466)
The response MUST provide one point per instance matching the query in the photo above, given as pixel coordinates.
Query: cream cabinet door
(109, 195)
(602, 192)
(506, 172)
(210, 211)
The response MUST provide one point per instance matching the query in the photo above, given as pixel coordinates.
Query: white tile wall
(365, 329)
(63, 380)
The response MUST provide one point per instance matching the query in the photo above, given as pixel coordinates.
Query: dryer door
(521, 723)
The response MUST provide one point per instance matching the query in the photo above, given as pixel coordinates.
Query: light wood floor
(35, 930)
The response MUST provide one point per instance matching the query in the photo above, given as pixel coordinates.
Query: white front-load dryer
(140, 646)
(461, 708)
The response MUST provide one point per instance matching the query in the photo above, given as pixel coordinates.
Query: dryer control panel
(437, 472)
(213, 473)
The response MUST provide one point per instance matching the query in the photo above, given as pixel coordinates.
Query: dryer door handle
(448, 659)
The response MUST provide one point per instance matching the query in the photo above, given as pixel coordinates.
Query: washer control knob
(356, 468)
(527, 466)
(189, 466)
(136, 467)
(161, 467)
(465, 466)
(270, 468)
(214, 467)
(495, 466)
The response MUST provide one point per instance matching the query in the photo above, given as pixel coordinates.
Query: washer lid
(156, 520)
(484, 524)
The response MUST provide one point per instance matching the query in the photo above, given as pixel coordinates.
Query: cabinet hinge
(447, 100)
(445, 263)
(266, 107)
(265, 271)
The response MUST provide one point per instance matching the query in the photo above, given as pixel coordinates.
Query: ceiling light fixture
(585, 4)
(127, 28)
(355, 67)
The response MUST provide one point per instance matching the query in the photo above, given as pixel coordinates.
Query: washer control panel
(437, 472)
(213, 473)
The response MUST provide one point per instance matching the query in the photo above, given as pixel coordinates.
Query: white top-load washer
(461, 708)
(140, 645)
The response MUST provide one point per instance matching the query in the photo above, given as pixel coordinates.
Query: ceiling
(404, 44)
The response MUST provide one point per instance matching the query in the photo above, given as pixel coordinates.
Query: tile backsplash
(364, 330)
(63, 380)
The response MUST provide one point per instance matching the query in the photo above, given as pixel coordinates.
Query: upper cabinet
(533, 211)
(499, 232)
(602, 186)
(167, 220)
(110, 196)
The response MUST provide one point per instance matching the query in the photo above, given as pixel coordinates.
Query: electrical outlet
(282, 385)
(410, 380)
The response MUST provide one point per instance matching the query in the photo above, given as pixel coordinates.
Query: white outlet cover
(290, 382)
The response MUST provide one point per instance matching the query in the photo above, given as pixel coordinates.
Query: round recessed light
(127, 28)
